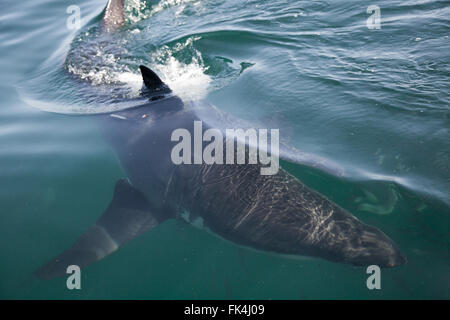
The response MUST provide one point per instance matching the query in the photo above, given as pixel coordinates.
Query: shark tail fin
(128, 215)
(114, 16)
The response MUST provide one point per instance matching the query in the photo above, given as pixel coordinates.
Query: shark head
(359, 244)
(370, 246)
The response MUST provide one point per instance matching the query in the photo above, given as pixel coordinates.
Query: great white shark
(275, 213)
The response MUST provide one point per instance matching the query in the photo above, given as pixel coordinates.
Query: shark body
(275, 213)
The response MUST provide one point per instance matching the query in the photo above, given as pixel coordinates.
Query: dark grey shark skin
(269, 212)
(275, 213)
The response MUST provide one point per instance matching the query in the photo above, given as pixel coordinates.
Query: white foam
(187, 80)
(136, 10)
(132, 80)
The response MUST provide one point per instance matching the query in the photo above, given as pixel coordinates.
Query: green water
(373, 102)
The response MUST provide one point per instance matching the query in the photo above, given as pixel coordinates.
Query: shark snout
(375, 248)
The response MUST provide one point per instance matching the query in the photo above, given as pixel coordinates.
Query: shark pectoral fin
(128, 215)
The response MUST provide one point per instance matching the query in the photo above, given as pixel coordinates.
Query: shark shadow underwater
(275, 213)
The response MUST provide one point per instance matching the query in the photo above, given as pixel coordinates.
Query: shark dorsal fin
(151, 79)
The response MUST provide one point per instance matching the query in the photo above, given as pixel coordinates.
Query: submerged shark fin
(152, 81)
(128, 215)
(113, 17)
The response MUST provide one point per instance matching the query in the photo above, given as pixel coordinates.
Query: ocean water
(374, 102)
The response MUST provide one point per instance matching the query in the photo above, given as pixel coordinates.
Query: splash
(187, 79)
(136, 10)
